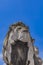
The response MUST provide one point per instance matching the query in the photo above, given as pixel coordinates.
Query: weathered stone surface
(42, 62)
(19, 35)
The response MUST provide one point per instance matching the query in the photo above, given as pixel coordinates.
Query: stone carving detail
(18, 48)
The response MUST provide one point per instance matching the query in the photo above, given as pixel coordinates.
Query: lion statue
(18, 48)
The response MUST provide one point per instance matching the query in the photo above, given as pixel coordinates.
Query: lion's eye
(19, 28)
(25, 30)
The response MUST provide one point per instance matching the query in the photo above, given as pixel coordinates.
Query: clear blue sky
(28, 11)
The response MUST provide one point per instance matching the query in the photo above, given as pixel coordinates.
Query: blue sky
(28, 11)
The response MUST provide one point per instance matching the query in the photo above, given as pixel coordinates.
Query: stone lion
(18, 48)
